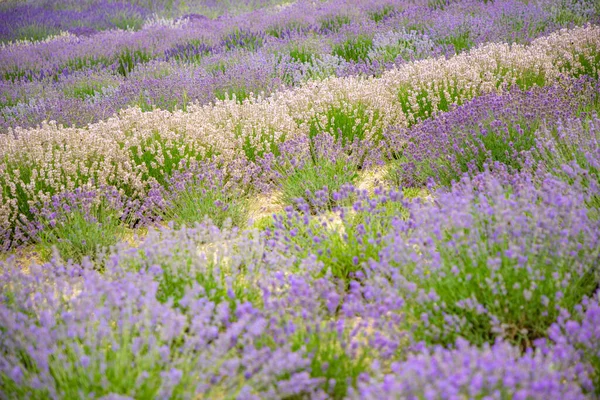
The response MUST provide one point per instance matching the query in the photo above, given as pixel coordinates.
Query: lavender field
(278, 199)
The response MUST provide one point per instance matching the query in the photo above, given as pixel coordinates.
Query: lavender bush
(504, 128)
(493, 257)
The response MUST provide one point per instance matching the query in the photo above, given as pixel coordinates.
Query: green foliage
(159, 158)
(402, 48)
(381, 13)
(469, 278)
(83, 89)
(504, 143)
(126, 21)
(580, 65)
(302, 54)
(129, 58)
(215, 280)
(343, 240)
(243, 39)
(421, 102)
(35, 32)
(280, 30)
(263, 223)
(9, 101)
(346, 123)
(564, 16)
(334, 23)
(86, 62)
(16, 75)
(331, 360)
(147, 103)
(193, 51)
(240, 93)
(78, 233)
(209, 265)
(559, 150)
(303, 182)
(116, 364)
(438, 4)
(460, 41)
(257, 143)
(22, 173)
(354, 49)
(198, 202)
(217, 68)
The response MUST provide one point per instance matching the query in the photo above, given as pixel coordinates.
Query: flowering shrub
(491, 258)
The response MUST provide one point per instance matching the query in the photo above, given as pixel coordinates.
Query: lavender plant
(576, 334)
(494, 371)
(79, 224)
(493, 258)
(493, 128)
(201, 192)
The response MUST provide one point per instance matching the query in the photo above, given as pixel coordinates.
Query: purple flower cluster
(36, 22)
(172, 319)
(251, 53)
(504, 128)
(498, 371)
(577, 335)
(495, 256)
(218, 312)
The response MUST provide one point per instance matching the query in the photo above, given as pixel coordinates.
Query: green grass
(83, 89)
(278, 30)
(35, 32)
(216, 68)
(301, 53)
(240, 93)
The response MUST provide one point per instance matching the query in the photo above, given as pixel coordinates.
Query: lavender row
(212, 312)
(76, 81)
(38, 20)
(138, 150)
(544, 130)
